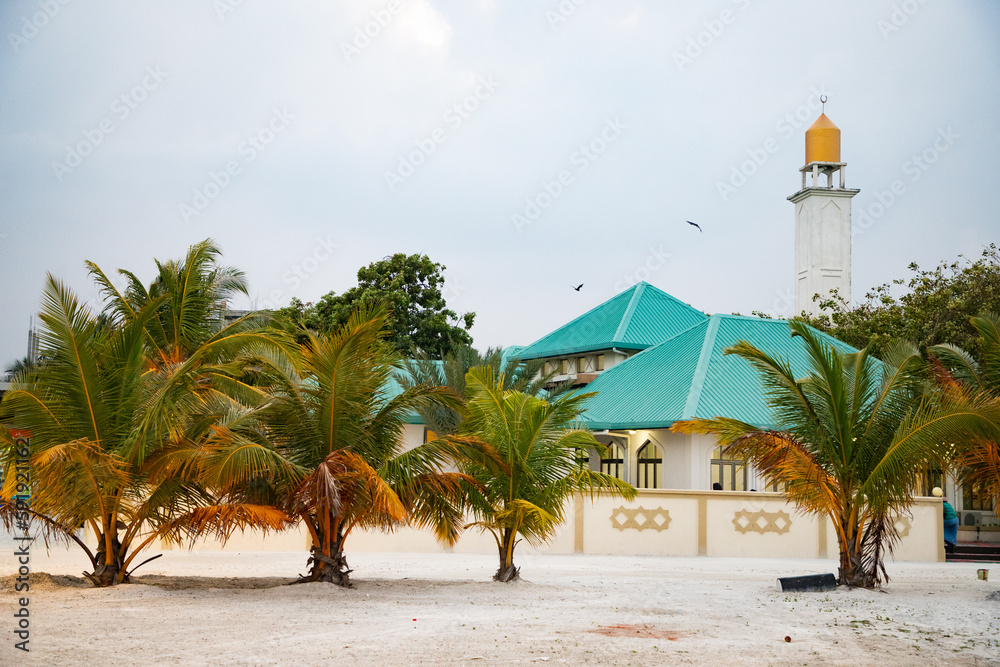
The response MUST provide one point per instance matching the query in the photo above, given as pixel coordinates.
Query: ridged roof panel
(649, 388)
(639, 317)
(690, 376)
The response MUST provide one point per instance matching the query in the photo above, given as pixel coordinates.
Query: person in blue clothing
(950, 525)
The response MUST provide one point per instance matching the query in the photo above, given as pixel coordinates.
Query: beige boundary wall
(657, 523)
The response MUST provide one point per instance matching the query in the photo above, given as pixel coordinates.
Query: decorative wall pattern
(640, 518)
(903, 524)
(762, 522)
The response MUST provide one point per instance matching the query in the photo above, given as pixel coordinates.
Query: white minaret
(822, 220)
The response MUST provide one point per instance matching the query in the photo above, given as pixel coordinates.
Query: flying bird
(577, 288)
(694, 224)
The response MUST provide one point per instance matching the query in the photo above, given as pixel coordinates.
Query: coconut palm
(338, 420)
(20, 367)
(450, 372)
(94, 412)
(976, 459)
(529, 466)
(846, 441)
(124, 405)
(190, 318)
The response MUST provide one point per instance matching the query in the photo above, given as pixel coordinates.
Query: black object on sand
(810, 582)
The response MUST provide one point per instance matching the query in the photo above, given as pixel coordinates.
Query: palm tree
(847, 440)
(126, 403)
(96, 459)
(337, 423)
(529, 465)
(189, 320)
(450, 372)
(20, 366)
(976, 459)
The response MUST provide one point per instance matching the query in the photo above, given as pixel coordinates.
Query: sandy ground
(443, 609)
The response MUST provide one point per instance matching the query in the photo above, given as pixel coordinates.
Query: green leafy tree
(122, 405)
(411, 286)
(529, 466)
(936, 308)
(450, 371)
(338, 423)
(977, 458)
(847, 440)
(20, 366)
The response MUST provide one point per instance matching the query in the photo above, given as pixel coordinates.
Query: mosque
(654, 360)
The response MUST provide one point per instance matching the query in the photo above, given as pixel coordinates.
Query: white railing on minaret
(822, 221)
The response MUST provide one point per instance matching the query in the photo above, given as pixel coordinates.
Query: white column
(822, 245)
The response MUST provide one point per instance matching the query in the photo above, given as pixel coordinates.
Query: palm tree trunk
(328, 564)
(507, 572)
(109, 570)
(851, 563)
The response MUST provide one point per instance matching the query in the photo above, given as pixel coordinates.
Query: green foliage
(450, 371)
(849, 437)
(528, 465)
(411, 286)
(936, 308)
(124, 402)
(336, 419)
(19, 366)
(976, 460)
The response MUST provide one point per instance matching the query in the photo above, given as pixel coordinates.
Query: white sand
(189, 609)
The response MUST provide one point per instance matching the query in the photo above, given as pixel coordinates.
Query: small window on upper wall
(547, 368)
(581, 364)
(563, 366)
(600, 362)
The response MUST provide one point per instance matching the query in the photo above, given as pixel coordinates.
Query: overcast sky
(310, 138)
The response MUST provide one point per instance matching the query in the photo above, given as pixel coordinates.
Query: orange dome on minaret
(823, 141)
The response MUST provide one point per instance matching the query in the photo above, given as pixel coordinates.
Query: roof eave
(586, 348)
(627, 426)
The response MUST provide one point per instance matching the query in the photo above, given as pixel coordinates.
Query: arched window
(613, 460)
(649, 466)
(728, 472)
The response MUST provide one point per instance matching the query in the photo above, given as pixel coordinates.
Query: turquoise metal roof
(688, 376)
(639, 317)
(510, 352)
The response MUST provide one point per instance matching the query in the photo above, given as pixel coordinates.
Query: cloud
(421, 24)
